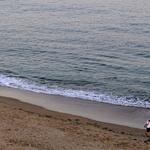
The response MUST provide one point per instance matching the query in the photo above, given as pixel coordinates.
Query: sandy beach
(25, 126)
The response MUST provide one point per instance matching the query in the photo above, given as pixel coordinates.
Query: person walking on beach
(147, 126)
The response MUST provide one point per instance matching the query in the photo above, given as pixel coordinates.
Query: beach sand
(25, 126)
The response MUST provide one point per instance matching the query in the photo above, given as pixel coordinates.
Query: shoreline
(103, 112)
(28, 126)
(120, 115)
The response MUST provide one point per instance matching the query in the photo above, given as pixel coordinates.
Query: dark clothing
(148, 129)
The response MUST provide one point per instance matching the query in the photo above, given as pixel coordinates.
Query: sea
(96, 50)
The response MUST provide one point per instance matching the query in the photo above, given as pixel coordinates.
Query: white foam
(26, 84)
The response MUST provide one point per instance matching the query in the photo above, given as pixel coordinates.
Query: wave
(26, 84)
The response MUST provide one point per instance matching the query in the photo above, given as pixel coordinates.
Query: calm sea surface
(96, 50)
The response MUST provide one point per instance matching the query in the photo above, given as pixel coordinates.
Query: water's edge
(120, 115)
(24, 84)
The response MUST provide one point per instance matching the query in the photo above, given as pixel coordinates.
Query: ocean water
(96, 50)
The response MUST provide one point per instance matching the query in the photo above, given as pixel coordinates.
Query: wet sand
(28, 126)
(127, 116)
